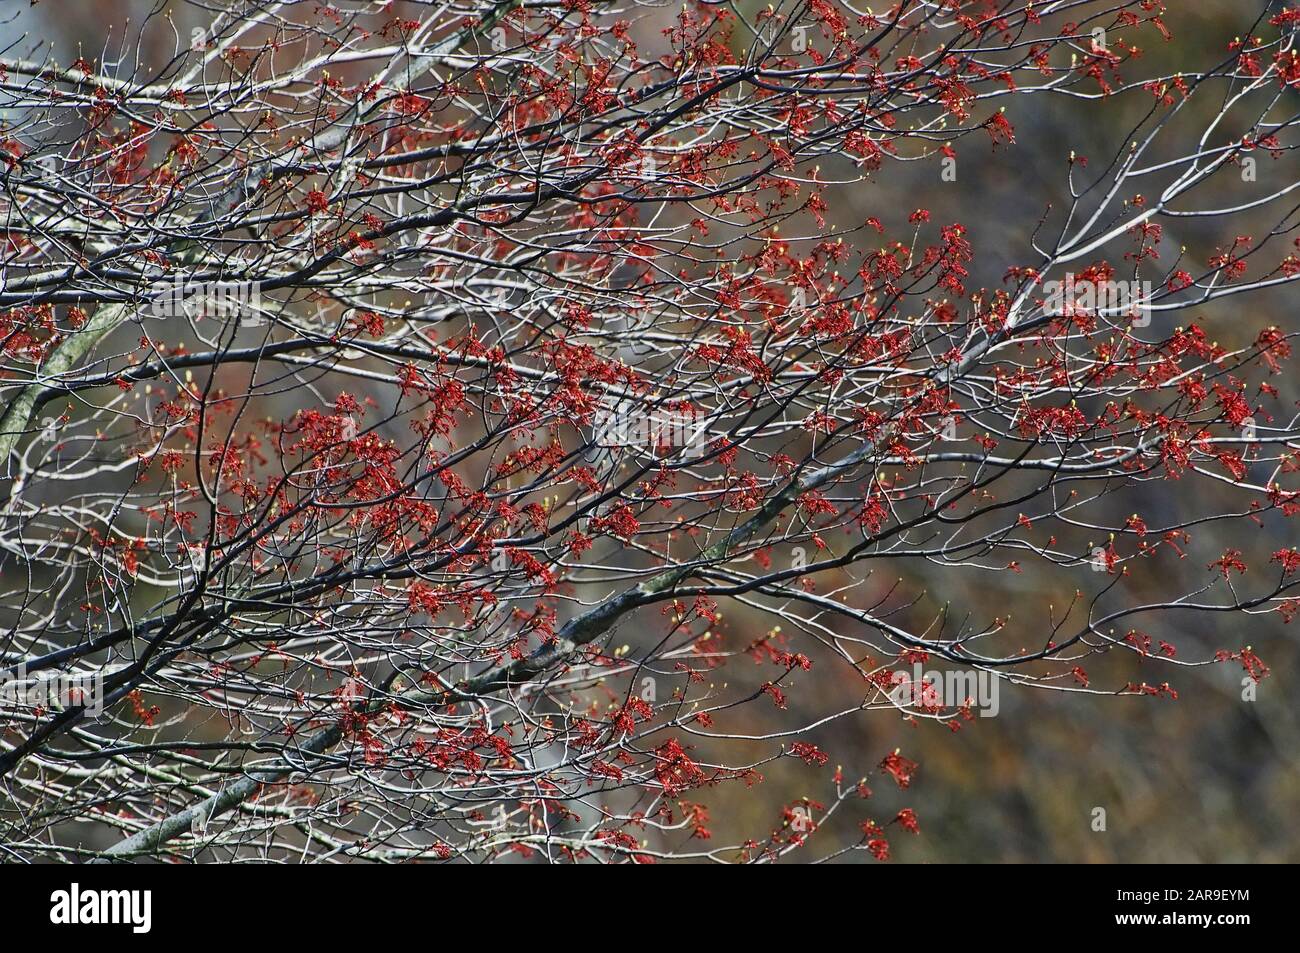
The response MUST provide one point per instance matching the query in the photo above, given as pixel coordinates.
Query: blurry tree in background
(551, 430)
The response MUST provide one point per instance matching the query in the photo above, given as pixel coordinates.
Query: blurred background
(1210, 777)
